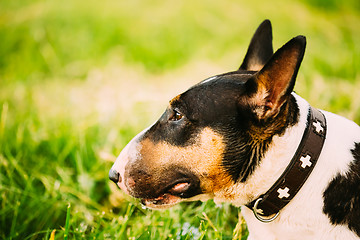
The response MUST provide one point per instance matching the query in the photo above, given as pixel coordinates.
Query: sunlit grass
(56, 40)
(51, 158)
(79, 80)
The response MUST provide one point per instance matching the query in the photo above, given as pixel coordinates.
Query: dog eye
(176, 116)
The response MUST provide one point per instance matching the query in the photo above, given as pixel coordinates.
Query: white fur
(208, 79)
(302, 218)
(127, 154)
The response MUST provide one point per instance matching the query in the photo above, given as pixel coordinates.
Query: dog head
(211, 138)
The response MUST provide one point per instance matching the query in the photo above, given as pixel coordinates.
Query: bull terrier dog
(246, 138)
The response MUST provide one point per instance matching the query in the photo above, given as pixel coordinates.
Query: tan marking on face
(203, 158)
(175, 99)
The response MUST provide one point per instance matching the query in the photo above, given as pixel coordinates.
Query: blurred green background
(78, 79)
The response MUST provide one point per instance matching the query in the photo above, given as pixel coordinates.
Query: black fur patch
(222, 105)
(209, 104)
(244, 150)
(342, 196)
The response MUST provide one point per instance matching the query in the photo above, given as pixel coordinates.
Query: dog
(246, 138)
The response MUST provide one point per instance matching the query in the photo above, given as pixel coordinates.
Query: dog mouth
(172, 195)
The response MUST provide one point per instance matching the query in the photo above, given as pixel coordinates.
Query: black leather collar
(267, 206)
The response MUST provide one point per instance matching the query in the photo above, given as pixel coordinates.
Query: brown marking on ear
(276, 80)
(261, 133)
(203, 158)
(256, 65)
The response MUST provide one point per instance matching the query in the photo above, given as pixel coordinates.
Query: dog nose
(114, 176)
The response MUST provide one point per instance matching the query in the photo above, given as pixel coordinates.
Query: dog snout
(114, 175)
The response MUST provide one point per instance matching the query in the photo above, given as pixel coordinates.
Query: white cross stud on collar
(318, 127)
(305, 161)
(283, 193)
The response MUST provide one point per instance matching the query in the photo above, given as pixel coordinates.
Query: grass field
(79, 79)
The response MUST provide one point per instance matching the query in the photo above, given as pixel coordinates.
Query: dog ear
(276, 80)
(260, 49)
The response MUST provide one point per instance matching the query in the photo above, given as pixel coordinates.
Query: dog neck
(296, 173)
(275, 161)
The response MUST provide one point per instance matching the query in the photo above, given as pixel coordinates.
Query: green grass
(79, 79)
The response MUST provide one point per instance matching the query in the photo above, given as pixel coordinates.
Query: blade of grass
(217, 233)
(130, 209)
(203, 229)
(14, 220)
(240, 229)
(209, 221)
(52, 235)
(67, 222)
(4, 112)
